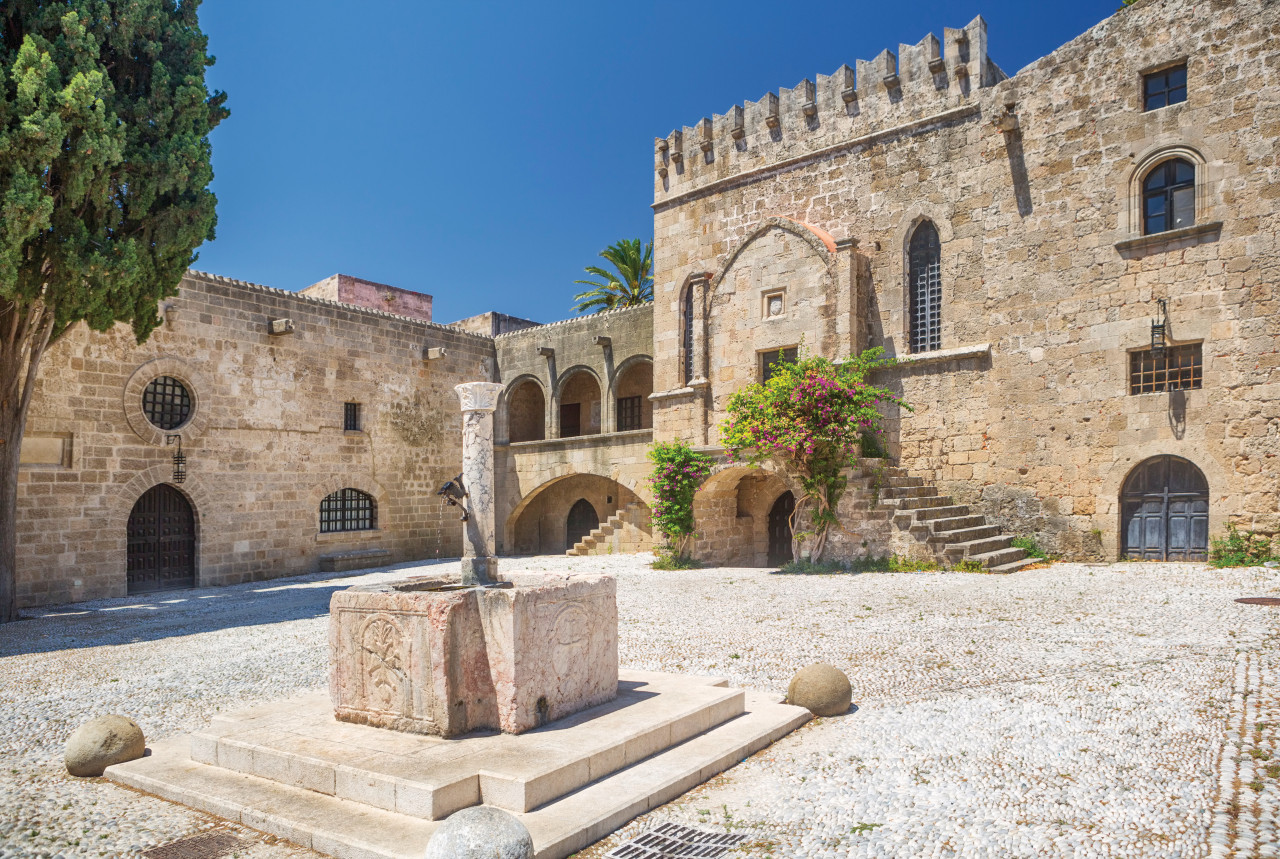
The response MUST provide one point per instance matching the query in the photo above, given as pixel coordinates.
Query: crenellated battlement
(921, 80)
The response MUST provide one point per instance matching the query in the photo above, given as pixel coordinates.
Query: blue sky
(485, 153)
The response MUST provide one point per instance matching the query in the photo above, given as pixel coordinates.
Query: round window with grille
(166, 403)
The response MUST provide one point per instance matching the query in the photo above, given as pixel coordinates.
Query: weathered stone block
(428, 656)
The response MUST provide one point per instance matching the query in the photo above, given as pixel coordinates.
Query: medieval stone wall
(1033, 183)
(264, 445)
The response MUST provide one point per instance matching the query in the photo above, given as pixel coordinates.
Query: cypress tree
(104, 175)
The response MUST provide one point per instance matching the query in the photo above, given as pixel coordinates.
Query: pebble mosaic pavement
(1071, 711)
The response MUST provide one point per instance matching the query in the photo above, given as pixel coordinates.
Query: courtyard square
(1077, 710)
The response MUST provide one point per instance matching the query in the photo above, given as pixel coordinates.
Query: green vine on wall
(812, 418)
(678, 471)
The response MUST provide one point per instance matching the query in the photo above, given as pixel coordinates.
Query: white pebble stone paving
(1074, 711)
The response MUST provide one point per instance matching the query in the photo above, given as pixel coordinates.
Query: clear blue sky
(485, 153)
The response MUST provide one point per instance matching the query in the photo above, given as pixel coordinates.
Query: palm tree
(630, 286)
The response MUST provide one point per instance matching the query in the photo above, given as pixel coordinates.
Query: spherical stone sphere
(480, 832)
(821, 689)
(101, 742)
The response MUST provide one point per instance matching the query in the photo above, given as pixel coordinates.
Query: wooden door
(570, 420)
(780, 529)
(1164, 510)
(161, 542)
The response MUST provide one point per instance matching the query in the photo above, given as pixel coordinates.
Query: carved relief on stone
(383, 660)
(774, 305)
(570, 634)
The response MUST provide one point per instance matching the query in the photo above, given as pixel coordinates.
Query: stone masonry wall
(1047, 282)
(265, 443)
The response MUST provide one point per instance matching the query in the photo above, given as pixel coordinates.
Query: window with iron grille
(1180, 369)
(1169, 197)
(348, 510)
(686, 335)
(351, 417)
(166, 403)
(768, 360)
(629, 415)
(925, 275)
(1165, 87)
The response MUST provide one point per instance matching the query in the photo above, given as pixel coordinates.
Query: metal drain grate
(1259, 600)
(673, 841)
(210, 845)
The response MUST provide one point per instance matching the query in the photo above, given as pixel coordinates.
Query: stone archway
(1164, 511)
(539, 524)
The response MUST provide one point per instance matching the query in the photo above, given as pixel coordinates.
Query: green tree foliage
(678, 471)
(104, 174)
(810, 419)
(630, 285)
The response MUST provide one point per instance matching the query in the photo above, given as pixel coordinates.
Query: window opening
(686, 337)
(768, 360)
(1180, 369)
(1165, 87)
(166, 403)
(926, 288)
(629, 416)
(351, 417)
(347, 510)
(1169, 197)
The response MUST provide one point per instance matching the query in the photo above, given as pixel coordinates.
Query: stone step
(905, 504)
(961, 535)
(904, 480)
(956, 523)
(976, 548)
(353, 830)
(943, 511)
(1000, 557)
(909, 492)
(300, 744)
(1013, 567)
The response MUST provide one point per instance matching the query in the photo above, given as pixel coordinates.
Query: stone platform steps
(602, 540)
(948, 531)
(356, 792)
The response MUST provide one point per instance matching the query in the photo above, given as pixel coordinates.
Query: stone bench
(341, 562)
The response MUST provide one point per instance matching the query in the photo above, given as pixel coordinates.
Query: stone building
(1011, 239)
(1073, 264)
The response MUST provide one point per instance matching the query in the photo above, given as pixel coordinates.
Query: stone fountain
(494, 688)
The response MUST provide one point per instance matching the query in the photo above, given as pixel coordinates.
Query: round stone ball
(480, 832)
(821, 689)
(101, 742)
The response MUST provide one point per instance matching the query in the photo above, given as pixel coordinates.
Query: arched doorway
(579, 405)
(780, 529)
(162, 541)
(1164, 510)
(582, 521)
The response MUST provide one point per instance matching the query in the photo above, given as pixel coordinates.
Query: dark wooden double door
(162, 542)
(1164, 510)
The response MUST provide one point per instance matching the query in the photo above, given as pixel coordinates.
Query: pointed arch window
(925, 284)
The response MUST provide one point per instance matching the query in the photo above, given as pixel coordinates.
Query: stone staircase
(623, 532)
(949, 532)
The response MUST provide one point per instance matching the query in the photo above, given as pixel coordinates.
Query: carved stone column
(479, 399)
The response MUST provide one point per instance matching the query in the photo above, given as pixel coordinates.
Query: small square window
(1165, 87)
(768, 360)
(1179, 369)
(351, 417)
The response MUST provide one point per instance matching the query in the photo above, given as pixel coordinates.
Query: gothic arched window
(925, 284)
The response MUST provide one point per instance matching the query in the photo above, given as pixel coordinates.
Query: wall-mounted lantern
(179, 458)
(1160, 331)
